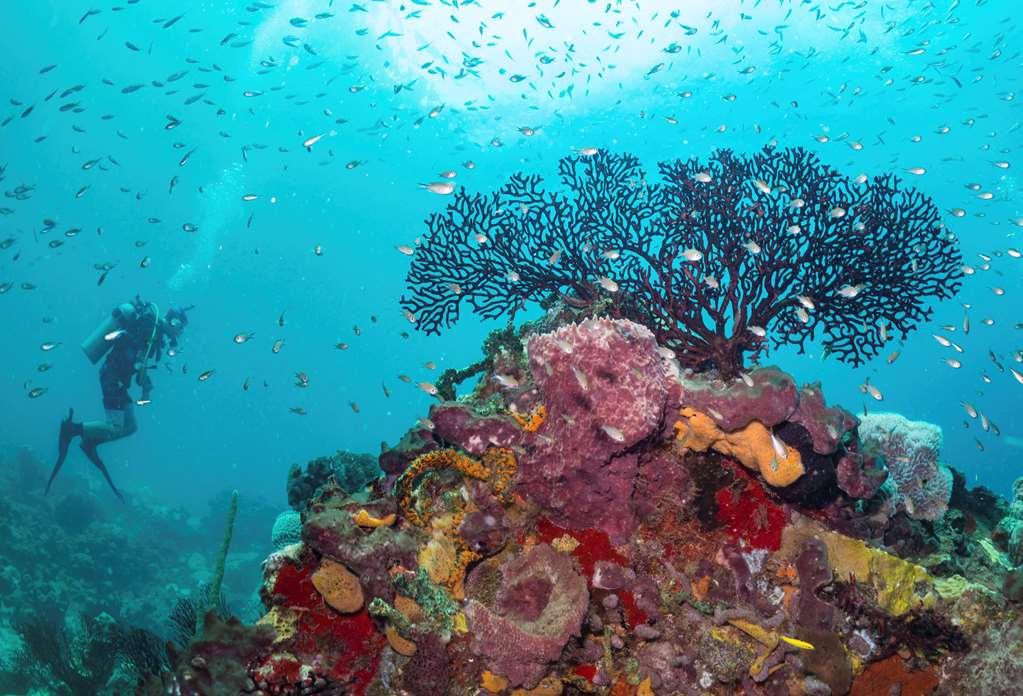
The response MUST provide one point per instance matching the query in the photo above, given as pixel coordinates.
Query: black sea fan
(791, 250)
(717, 260)
(523, 243)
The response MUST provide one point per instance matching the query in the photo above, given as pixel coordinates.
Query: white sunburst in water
(539, 56)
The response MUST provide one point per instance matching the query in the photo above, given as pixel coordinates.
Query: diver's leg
(120, 422)
(89, 447)
(69, 430)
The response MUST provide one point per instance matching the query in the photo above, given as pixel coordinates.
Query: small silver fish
(442, 188)
(428, 387)
(580, 377)
(874, 392)
(780, 450)
(507, 381)
(614, 433)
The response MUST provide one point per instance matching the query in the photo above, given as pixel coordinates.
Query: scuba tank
(95, 346)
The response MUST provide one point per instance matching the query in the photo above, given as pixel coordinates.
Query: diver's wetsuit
(115, 377)
(141, 337)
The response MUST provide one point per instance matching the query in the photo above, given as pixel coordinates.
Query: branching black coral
(718, 260)
(522, 243)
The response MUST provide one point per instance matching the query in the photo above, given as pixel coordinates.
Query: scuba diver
(131, 336)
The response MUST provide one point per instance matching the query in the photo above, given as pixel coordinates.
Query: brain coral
(910, 450)
(522, 612)
(287, 530)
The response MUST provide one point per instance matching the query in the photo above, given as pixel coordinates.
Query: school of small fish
(208, 90)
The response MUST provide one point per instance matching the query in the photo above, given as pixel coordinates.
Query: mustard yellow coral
(752, 446)
(339, 587)
(899, 585)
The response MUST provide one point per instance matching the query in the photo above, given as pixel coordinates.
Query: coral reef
(717, 260)
(591, 519)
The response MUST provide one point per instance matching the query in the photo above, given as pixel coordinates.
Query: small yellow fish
(796, 643)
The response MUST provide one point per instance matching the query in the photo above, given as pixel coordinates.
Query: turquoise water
(399, 92)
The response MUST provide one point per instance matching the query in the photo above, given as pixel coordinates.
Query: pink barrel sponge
(608, 390)
(522, 612)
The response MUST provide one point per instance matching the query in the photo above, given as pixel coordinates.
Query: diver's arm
(142, 379)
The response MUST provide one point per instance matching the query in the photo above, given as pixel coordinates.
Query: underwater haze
(270, 168)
